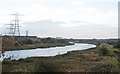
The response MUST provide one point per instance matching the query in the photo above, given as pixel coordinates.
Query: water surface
(45, 52)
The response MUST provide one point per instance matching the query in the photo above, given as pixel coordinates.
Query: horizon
(64, 37)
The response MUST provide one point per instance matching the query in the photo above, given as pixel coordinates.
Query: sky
(62, 18)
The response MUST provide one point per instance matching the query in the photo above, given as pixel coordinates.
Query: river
(45, 52)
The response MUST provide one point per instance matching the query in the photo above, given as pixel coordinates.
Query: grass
(90, 60)
(33, 46)
(113, 60)
(114, 49)
(103, 68)
(75, 61)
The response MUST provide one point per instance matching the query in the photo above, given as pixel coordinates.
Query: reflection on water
(44, 52)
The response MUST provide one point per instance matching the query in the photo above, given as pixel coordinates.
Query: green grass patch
(115, 49)
(113, 60)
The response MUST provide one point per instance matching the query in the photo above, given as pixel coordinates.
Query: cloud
(49, 28)
(67, 11)
(68, 18)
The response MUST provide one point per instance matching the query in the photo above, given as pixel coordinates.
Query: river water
(44, 52)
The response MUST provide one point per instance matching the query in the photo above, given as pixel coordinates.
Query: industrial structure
(14, 29)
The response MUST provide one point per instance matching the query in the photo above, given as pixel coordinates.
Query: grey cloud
(49, 28)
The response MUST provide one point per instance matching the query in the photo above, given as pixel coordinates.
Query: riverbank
(46, 52)
(31, 42)
(91, 60)
(34, 46)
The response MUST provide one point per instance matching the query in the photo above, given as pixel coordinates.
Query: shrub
(117, 45)
(103, 68)
(46, 66)
(16, 44)
(104, 50)
(29, 41)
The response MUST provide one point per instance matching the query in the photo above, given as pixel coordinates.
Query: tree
(117, 45)
(16, 44)
(29, 41)
(104, 49)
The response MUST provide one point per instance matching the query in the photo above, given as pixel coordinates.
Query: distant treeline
(47, 41)
(115, 42)
(53, 40)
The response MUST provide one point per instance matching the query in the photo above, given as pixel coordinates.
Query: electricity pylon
(16, 27)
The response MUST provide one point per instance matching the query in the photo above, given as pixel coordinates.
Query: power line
(14, 29)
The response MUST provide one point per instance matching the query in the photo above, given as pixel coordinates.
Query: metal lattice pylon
(14, 29)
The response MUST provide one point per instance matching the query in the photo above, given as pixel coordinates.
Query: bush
(117, 45)
(103, 68)
(46, 66)
(16, 44)
(29, 41)
(104, 50)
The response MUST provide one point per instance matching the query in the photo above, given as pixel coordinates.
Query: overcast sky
(63, 18)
